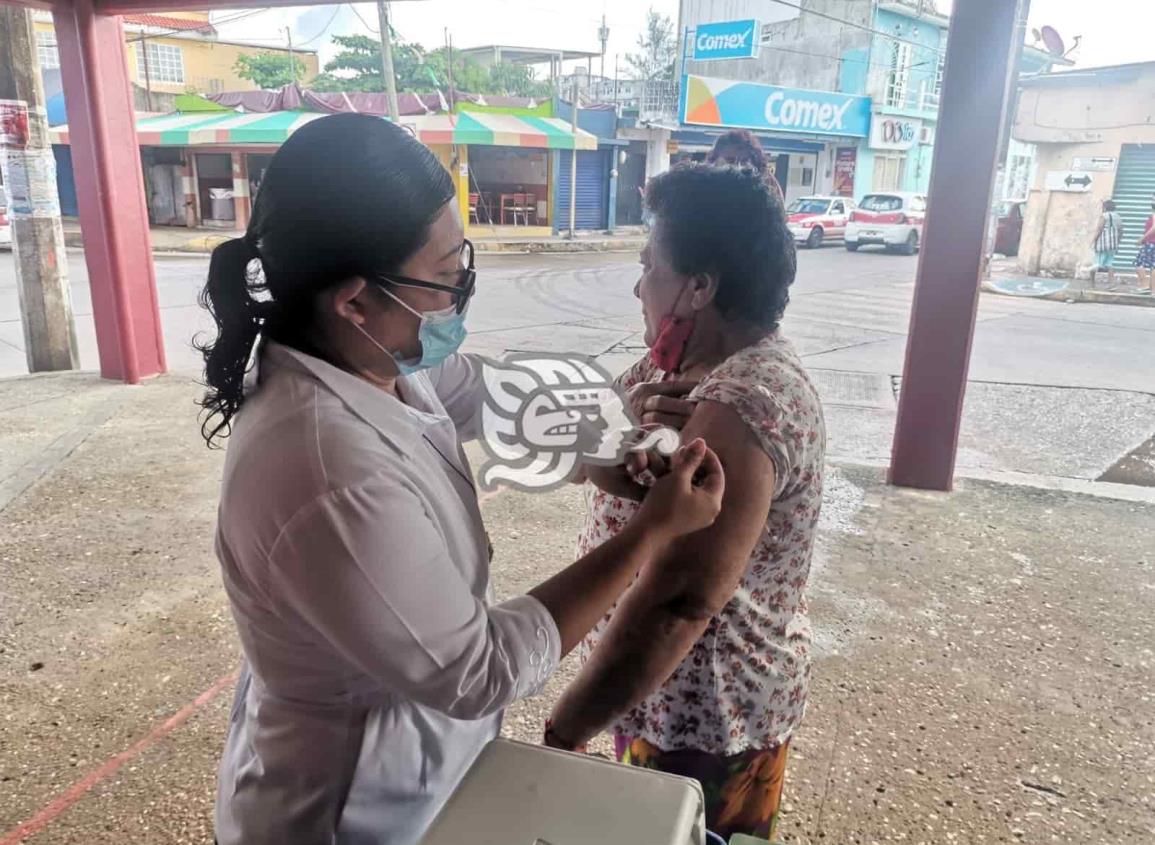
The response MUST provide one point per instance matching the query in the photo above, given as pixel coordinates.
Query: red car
(814, 219)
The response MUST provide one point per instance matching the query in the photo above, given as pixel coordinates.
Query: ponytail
(228, 297)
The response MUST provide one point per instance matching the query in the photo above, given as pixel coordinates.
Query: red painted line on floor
(78, 790)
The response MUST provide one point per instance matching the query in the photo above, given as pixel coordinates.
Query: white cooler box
(518, 794)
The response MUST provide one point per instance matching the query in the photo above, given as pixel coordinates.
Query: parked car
(1009, 230)
(5, 224)
(893, 220)
(812, 220)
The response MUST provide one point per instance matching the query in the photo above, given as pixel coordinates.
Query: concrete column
(657, 152)
(110, 192)
(188, 181)
(983, 47)
(242, 202)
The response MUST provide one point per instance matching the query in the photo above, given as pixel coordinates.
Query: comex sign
(802, 113)
(719, 102)
(726, 40)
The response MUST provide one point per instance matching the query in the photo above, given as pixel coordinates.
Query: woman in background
(1106, 242)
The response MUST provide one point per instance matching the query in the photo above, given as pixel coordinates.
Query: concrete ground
(985, 665)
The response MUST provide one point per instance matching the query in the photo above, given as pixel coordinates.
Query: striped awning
(272, 128)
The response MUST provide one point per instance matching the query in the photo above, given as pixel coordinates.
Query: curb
(1072, 296)
(205, 244)
(559, 246)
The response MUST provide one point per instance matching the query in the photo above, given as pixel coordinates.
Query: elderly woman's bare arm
(668, 608)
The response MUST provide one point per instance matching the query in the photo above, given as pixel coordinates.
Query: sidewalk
(983, 664)
(177, 239)
(1007, 280)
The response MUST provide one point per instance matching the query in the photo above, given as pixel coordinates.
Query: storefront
(896, 156)
(204, 168)
(804, 132)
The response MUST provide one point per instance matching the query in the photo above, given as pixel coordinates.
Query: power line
(855, 25)
(214, 24)
(333, 17)
(376, 32)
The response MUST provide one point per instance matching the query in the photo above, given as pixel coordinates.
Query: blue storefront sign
(726, 40)
(750, 105)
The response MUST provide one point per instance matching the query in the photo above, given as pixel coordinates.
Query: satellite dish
(1054, 41)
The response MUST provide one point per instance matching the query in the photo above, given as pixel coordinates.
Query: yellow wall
(459, 171)
(208, 65)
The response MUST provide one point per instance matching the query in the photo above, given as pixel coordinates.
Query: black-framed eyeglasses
(461, 292)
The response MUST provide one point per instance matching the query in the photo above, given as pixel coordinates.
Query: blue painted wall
(853, 72)
(924, 61)
(600, 122)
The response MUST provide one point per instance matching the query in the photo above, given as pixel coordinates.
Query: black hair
(346, 195)
(1108, 205)
(727, 221)
(743, 142)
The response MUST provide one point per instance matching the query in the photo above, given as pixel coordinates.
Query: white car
(892, 219)
(812, 220)
(5, 224)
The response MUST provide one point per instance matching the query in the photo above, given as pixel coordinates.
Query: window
(938, 75)
(837, 208)
(889, 171)
(165, 63)
(808, 206)
(807, 177)
(46, 50)
(898, 77)
(881, 202)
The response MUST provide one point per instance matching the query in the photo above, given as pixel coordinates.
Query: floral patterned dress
(743, 685)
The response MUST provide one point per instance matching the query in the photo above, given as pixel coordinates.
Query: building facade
(1095, 141)
(842, 94)
(175, 53)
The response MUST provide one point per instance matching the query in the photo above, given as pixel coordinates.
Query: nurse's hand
(689, 497)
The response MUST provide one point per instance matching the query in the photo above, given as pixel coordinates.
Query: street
(1056, 390)
(982, 659)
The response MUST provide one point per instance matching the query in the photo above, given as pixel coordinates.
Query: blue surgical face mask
(440, 334)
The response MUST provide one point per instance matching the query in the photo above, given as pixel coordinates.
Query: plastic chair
(473, 201)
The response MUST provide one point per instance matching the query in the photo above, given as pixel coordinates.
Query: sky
(1111, 30)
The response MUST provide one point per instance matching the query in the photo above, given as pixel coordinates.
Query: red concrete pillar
(242, 202)
(983, 48)
(110, 193)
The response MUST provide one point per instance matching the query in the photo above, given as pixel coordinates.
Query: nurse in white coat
(350, 539)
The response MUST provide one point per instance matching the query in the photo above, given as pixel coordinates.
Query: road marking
(78, 790)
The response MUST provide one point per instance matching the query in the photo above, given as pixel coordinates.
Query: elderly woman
(701, 669)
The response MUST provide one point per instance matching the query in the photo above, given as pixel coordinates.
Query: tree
(658, 48)
(515, 80)
(269, 70)
(357, 67)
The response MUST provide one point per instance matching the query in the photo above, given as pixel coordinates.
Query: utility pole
(147, 74)
(604, 37)
(292, 58)
(573, 162)
(30, 179)
(449, 69)
(387, 59)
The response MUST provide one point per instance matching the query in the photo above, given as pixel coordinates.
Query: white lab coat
(357, 568)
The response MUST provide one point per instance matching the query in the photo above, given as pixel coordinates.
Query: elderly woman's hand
(655, 404)
(662, 403)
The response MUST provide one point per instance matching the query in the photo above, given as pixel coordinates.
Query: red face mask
(673, 334)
